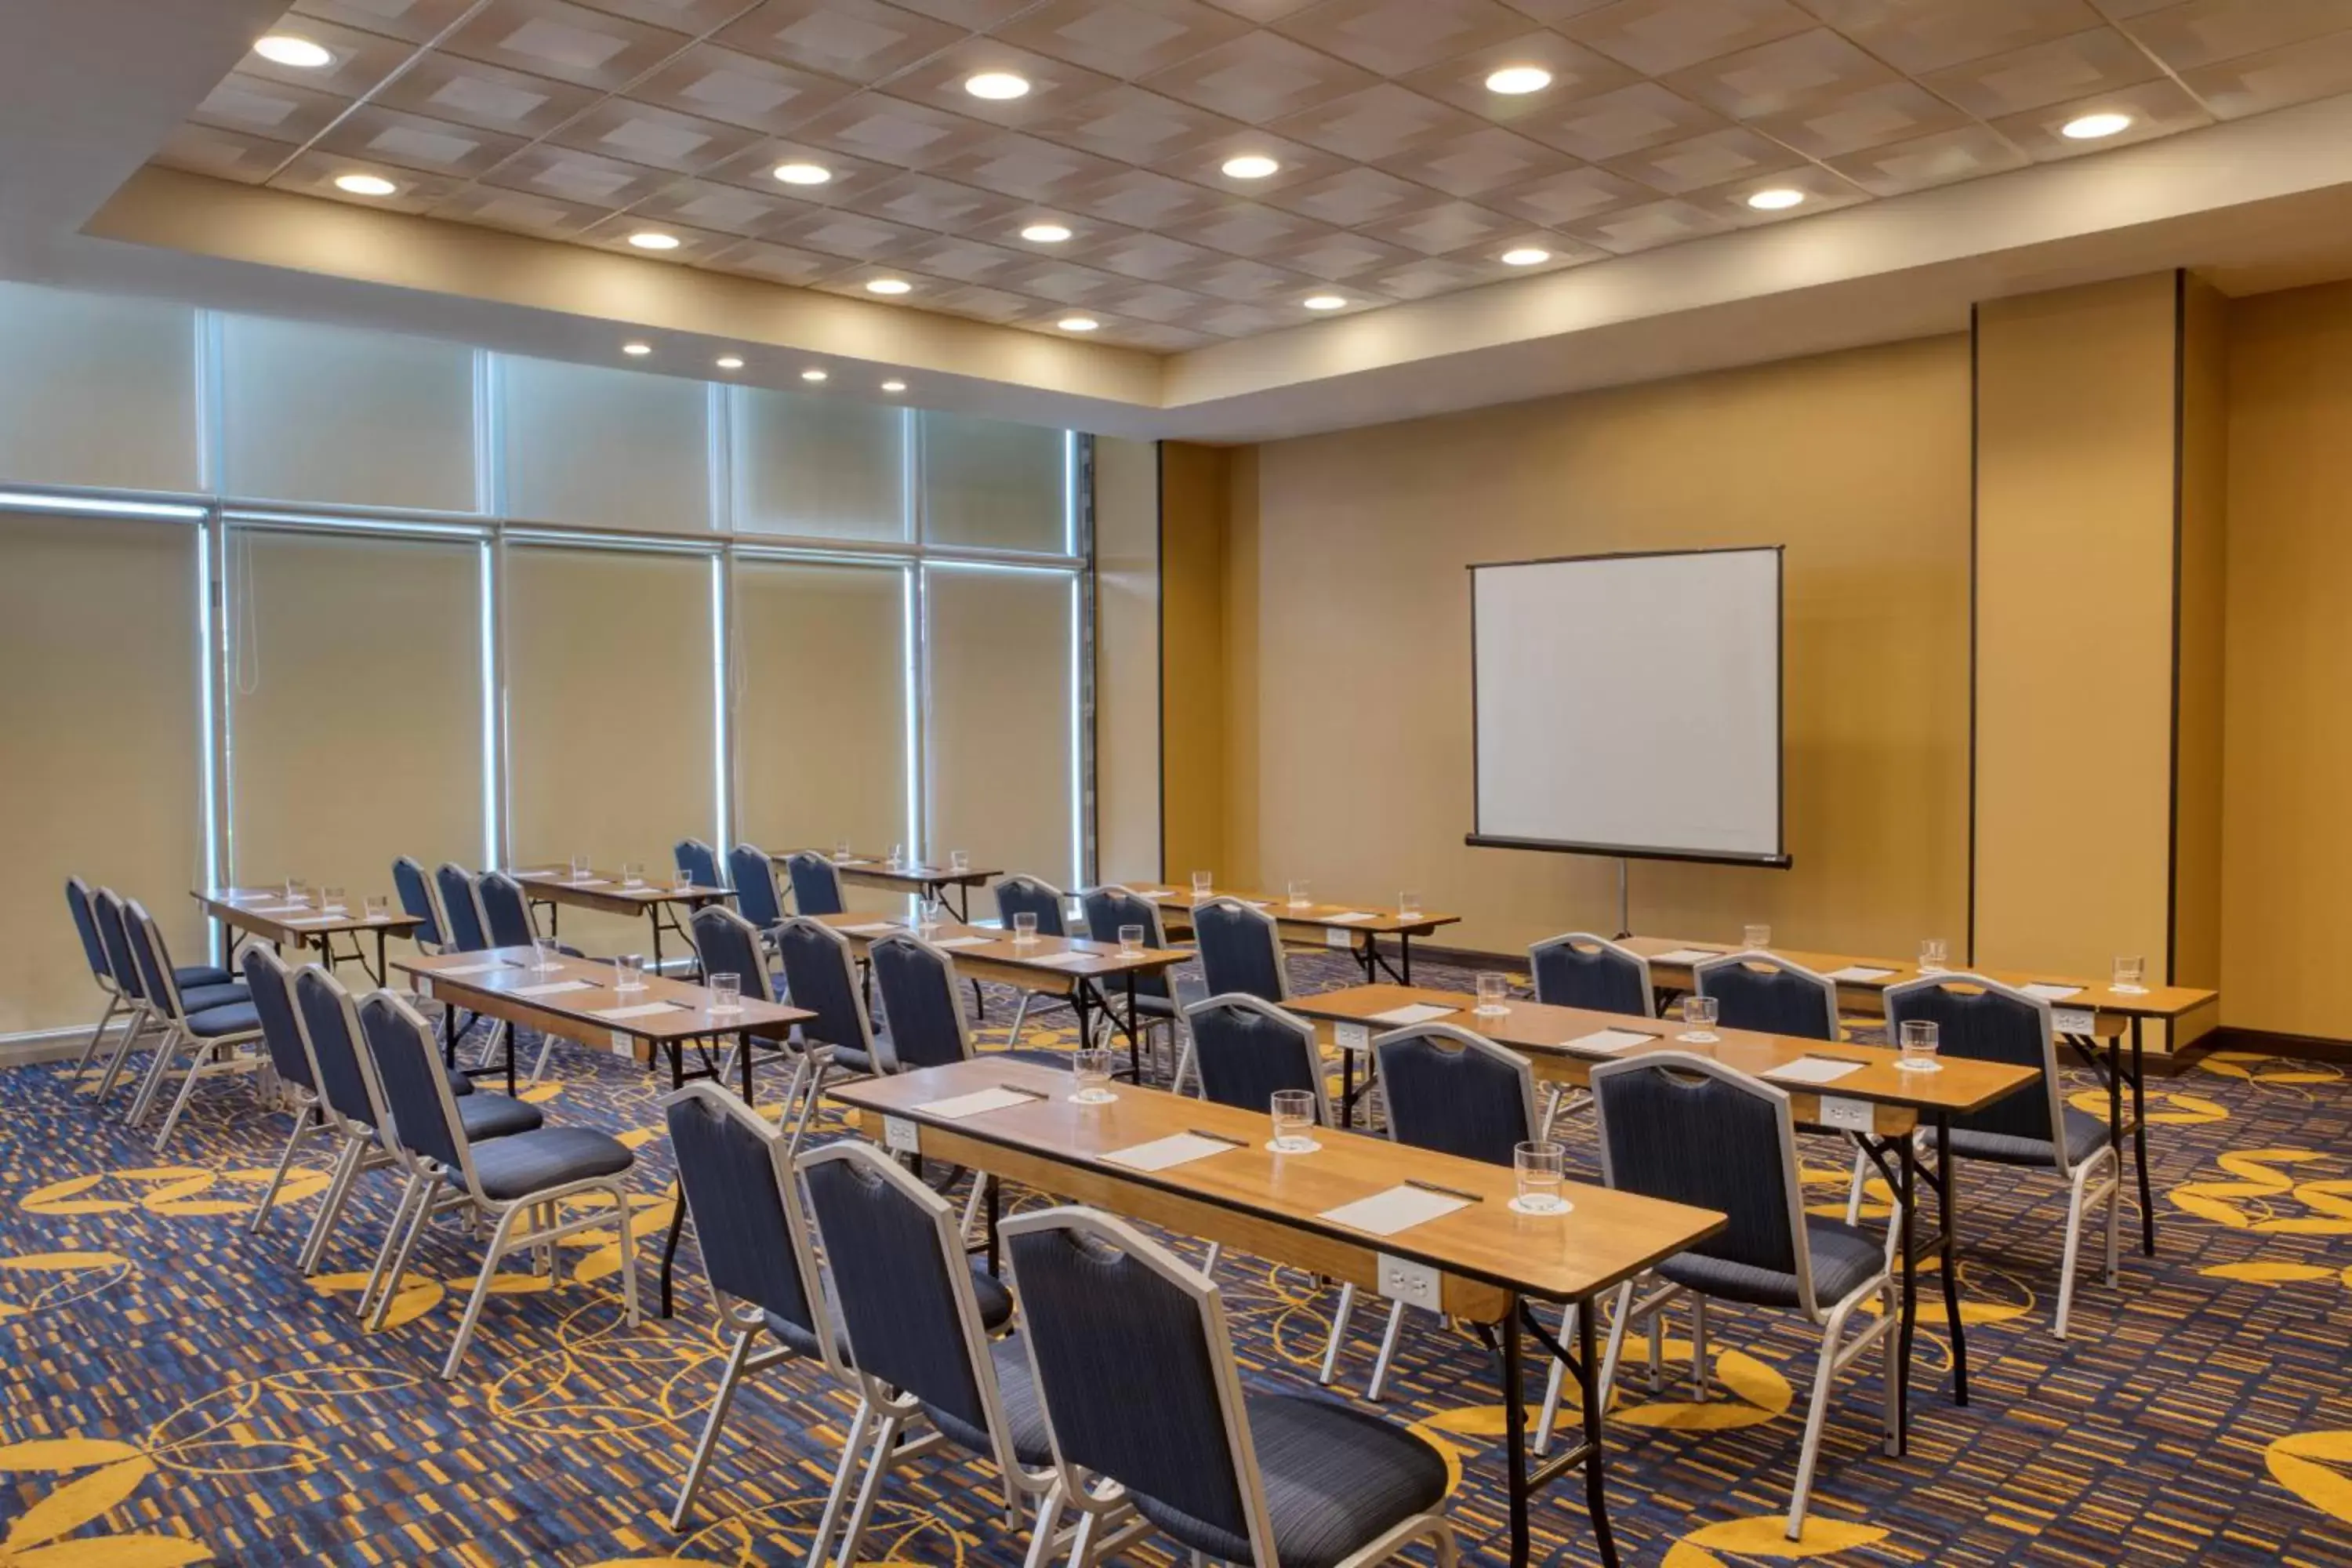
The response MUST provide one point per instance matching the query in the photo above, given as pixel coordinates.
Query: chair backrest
(699, 862)
(504, 908)
(1984, 1020)
(86, 927)
(114, 937)
(921, 1005)
(1690, 1130)
(734, 1168)
(816, 885)
(1023, 894)
(1456, 1092)
(1109, 907)
(904, 1288)
(330, 1031)
(424, 1112)
(1134, 1366)
(1763, 991)
(271, 984)
(155, 960)
(1245, 1048)
(1580, 970)
(754, 879)
(727, 943)
(461, 921)
(416, 898)
(820, 975)
(1241, 950)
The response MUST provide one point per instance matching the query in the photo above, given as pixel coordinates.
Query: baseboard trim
(56, 1044)
(2272, 1043)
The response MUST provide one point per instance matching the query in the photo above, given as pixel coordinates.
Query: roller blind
(101, 390)
(611, 448)
(817, 467)
(997, 736)
(988, 484)
(354, 706)
(311, 413)
(98, 626)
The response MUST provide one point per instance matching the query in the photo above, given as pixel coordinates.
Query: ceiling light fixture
(1526, 255)
(997, 86)
(653, 240)
(803, 174)
(888, 286)
(1251, 166)
(1516, 79)
(2093, 127)
(813, 375)
(729, 362)
(1324, 303)
(1077, 323)
(1778, 199)
(1045, 234)
(894, 387)
(290, 49)
(636, 350)
(365, 185)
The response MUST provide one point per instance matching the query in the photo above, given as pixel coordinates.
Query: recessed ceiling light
(1077, 323)
(288, 50)
(803, 174)
(653, 240)
(365, 185)
(1045, 234)
(729, 362)
(636, 350)
(2092, 127)
(894, 387)
(997, 85)
(813, 375)
(888, 286)
(1526, 255)
(1324, 303)
(1515, 79)
(1778, 199)
(1251, 166)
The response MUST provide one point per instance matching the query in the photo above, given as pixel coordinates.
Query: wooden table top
(606, 889)
(1956, 1087)
(576, 1013)
(2094, 996)
(1101, 960)
(1606, 1237)
(868, 867)
(1176, 904)
(264, 911)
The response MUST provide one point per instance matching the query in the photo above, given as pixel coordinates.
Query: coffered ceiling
(1402, 176)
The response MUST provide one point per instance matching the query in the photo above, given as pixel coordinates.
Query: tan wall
(1127, 660)
(2204, 575)
(1350, 647)
(1194, 770)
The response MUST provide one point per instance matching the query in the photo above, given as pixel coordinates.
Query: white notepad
(474, 969)
(2046, 992)
(1607, 1042)
(1812, 1069)
(1065, 960)
(1687, 955)
(534, 876)
(1167, 1154)
(962, 942)
(1348, 917)
(956, 1107)
(585, 881)
(1411, 1013)
(272, 908)
(871, 928)
(552, 988)
(317, 919)
(642, 1010)
(1860, 974)
(1398, 1209)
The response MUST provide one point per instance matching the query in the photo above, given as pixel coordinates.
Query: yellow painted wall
(1193, 693)
(2204, 576)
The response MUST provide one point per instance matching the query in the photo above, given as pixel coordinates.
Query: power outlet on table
(901, 1136)
(1337, 936)
(1414, 1284)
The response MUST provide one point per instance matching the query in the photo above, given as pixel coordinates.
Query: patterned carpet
(174, 1393)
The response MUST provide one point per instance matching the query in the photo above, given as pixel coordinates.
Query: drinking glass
(1919, 1038)
(1540, 1169)
(629, 971)
(1130, 939)
(898, 856)
(633, 873)
(931, 914)
(544, 956)
(1493, 988)
(1293, 1121)
(332, 902)
(1756, 938)
(841, 848)
(959, 860)
(298, 892)
(681, 881)
(580, 867)
(1090, 1064)
(379, 907)
(726, 993)
(1932, 955)
(1700, 1013)
(2129, 971)
(1024, 928)
(1298, 898)
(1408, 906)
(1201, 883)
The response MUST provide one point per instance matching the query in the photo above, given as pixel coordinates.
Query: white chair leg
(1554, 1383)
(1387, 1353)
(972, 1204)
(2115, 1202)
(159, 1068)
(89, 1046)
(1339, 1332)
(400, 1245)
(1049, 1519)
(830, 1519)
(1854, 1188)
(624, 1223)
(1183, 1068)
(1823, 1375)
(1020, 1017)
(877, 1465)
(2074, 1245)
(339, 1187)
(196, 1074)
(1618, 1319)
(496, 1250)
(120, 1058)
(728, 1379)
(546, 1052)
(285, 1162)
(1209, 1264)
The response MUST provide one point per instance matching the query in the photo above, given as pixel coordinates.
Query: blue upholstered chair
(201, 986)
(518, 1183)
(727, 943)
(1245, 1050)
(1688, 1129)
(1768, 995)
(102, 971)
(502, 905)
(1144, 1410)
(755, 880)
(215, 1036)
(1241, 950)
(1580, 970)
(817, 884)
(408, 881)
(821, 977)
(459, 918)
(917, 1337)
(271, 984)
(698, 862)
(1025, 895)
(1107, 910)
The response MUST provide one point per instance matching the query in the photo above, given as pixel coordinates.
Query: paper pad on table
(1811, 1069)
(1398, 1209)
(1166, 1153)
(1413, 1012)
(956, 1107)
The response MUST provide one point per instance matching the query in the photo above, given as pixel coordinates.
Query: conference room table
(1478, 1259)
(1880, 1103)
(267, 913)
(1367, 922)
(2096, 1020)
(906, 877)
(609, 893)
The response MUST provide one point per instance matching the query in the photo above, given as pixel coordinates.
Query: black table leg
(514, 1033)
(1588, 1384)
(669, 1245)
(1347, 1086)
(1134, 1041)
(1405, 955)
(676, 1065)
(1368, 956)
(654, 919)
(1515, 1429)
(2140, 1144)
(449, 1034)
(743, 1048)
(1947, 1218)
(995, 1211)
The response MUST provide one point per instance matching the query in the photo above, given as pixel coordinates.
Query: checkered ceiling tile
(1401, 175)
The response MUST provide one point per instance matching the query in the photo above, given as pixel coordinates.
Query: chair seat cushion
(235, 1018)
(849, 1059)
(1025, 1414)
(1843, 1257)
(187, 977)
(1336, 1480)
(534, 1162)
(2086, 1135)
(205, 998)
(486, 1115)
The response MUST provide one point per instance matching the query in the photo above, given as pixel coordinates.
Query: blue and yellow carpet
(172, 1392)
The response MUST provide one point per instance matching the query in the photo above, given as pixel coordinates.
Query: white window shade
(1000, 736)
(607, 448)
(994, 485)
(821, 468)
(101, 390)
(329, 414)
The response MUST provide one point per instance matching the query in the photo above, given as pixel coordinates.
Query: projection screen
(1630, 705)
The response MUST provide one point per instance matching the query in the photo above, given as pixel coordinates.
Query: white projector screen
(1630, 705)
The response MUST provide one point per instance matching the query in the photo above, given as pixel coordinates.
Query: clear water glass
(544, 956)
(726, 993)
(931, 914)
(1293, 1121)
(841, 848)
(298, 892)
(331, 901)
(1298, 894)
(1918, 1038)
(1090, 1064)
(633, 873)
(959, 860)
(378, 907)
(580, 867)
(1494, 991)
(681, 881)
(1130, 940)
(898, 856)
(1540, 1168)
(1024, 928)
(629, 971)
(1408, 906)
(1933, 955)
(1700, 1013)
(1756, 938)
(2130, 971)
(1203, 883)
